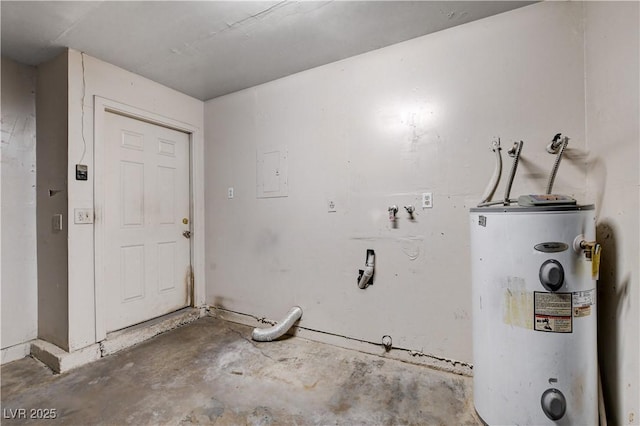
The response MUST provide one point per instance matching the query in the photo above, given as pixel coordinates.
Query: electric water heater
(534, 269)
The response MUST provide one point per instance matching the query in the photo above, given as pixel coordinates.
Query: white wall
(51, 152)
(612, 53)
(376, 130)
(19, 272)
(89, 77)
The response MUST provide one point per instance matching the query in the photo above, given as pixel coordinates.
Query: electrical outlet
(427, 200)
(230, 192)
(331, 206)
(82, 216)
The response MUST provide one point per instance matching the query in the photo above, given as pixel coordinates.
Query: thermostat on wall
(82, 172)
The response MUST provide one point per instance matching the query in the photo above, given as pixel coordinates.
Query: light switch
(56, 222)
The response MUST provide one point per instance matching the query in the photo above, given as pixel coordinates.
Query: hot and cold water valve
(393, 211)
(410, 209)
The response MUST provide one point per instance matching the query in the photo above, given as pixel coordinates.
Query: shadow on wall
(587, 163)
(532, 170)
(592, 166)
(613, 294)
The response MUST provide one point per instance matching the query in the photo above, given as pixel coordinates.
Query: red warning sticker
(552, 312)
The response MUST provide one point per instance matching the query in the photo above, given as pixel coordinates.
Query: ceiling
(210, 48)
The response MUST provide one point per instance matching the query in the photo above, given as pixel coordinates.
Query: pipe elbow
(495, 178)
(272, 333)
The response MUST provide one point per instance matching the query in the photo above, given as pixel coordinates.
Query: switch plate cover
(82, 216)
(56, 222)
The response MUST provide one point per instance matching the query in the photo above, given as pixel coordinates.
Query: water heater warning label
(552, 312)
(582, 302)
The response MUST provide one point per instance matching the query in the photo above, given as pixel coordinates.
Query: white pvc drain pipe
(272, 333)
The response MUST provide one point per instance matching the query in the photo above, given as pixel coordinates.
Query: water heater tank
(534, 315)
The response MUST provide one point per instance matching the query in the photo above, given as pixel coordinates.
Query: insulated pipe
(497, 172)
(272, 333)
(553, 148)
(515, 153)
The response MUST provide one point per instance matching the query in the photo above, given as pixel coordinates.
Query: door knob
(186, 234)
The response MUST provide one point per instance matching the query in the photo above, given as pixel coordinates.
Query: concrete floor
(210, 372)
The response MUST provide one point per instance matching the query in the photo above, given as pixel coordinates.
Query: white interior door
(147, 269)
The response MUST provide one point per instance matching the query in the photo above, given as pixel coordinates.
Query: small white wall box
(272, 172)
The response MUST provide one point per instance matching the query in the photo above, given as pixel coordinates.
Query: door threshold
(127, 337)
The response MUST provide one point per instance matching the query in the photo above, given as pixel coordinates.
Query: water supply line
(497, 172)
(514, 152)
(272, 333)
(556, 146)
(365, 277)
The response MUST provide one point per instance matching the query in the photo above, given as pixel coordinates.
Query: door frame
(102, 106)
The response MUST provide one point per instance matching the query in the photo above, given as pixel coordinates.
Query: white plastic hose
(497, 172)
(272, 333)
